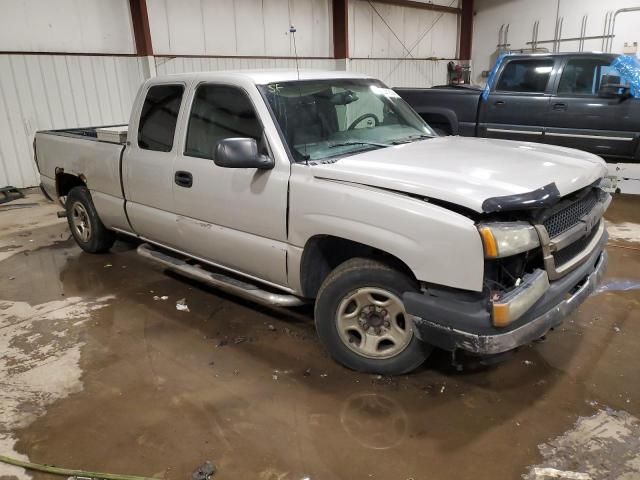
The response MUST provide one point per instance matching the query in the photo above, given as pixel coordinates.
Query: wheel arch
(323, 253)
(66, 181)
(441, 118)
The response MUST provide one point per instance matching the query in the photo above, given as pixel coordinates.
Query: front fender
(439, 246)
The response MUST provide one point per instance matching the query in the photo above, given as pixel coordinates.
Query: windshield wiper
(346, 144)
(412, 138)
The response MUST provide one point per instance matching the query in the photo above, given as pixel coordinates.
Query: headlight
(504, 239)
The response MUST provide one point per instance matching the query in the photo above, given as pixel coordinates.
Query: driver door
(233, 217)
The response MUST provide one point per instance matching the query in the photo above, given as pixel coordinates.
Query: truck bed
(79, 152)
(83, 132)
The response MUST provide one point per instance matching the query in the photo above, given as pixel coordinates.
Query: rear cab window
(159, 116)
(525, 76)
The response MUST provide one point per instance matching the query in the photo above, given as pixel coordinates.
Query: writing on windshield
(322, 119)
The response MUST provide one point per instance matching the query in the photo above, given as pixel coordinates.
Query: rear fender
(445, 113)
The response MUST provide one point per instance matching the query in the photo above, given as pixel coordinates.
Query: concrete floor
(98, 371)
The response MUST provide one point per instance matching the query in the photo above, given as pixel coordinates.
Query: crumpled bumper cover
(452, 325)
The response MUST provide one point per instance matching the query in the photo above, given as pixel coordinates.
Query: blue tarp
(628, 67)
(492, 75)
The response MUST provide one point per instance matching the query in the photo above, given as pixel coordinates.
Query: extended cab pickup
(567, 99)
(326, 187)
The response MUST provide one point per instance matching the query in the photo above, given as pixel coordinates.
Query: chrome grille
(567, 217)
(570, 251)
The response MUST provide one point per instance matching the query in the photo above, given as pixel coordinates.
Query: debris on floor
(603, 446)
(204, 471)
(277, 373)
(8, 194)
(67, 472)
(242, 339)
(182, 306)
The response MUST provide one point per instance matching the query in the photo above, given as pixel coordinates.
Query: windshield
(322, 119)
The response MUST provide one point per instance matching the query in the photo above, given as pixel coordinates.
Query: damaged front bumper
(452, 323)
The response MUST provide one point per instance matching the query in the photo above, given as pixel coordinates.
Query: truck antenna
(292, 31)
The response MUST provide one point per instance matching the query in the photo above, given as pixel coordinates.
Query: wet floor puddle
(99, 375)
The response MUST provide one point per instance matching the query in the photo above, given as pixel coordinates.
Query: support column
(340, 10)
(466, 29)
(142, 34)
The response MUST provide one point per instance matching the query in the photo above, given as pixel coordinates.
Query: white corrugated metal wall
(240, 28)
(167, 65)
(71, 88)
(40, 92)
(403, 73)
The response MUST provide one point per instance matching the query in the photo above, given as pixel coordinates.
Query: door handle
(559, 106)
(183, 179)
(499, 103)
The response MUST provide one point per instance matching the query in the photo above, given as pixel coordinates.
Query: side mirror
(613, 90)
(240, 153)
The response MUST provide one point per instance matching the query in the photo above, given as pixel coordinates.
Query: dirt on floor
(100, 370)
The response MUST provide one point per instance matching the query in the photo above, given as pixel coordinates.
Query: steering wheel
(355, 123)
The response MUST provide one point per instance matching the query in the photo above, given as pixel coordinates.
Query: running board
(221, 281)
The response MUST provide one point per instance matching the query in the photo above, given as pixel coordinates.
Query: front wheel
(362, 322)
(86, 227)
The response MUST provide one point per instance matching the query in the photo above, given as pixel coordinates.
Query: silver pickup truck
(326, 187)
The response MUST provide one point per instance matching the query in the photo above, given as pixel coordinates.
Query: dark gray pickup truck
(569, 99)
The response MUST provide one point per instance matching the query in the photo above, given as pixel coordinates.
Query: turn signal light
(489, 242)
(500, 315)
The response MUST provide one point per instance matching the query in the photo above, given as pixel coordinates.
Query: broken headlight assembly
(504, 239)
(514, 282)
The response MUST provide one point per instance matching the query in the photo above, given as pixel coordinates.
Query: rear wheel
(362, 322)
(86, 227)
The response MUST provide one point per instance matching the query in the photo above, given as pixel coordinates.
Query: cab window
(526, 76)
(159, 116)
(581, 76)
(219, 112)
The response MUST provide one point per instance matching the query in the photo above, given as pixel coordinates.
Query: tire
(86, 227)
(360, 319)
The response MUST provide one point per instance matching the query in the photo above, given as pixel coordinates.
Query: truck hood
(470, 172)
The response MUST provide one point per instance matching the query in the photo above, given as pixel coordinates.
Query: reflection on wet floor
(158, 391)
(374, 420)
(618, 285)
